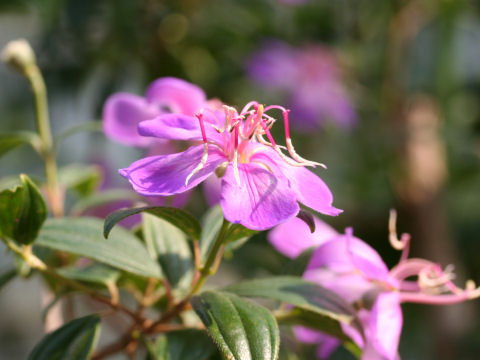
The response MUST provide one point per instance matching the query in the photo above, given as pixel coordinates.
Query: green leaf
(22, 212)
(305, 295)
(312, 320)
(83, 236)
(190, 344)
(6, 276)
(211, 224)
(238, 232)
(102, 198)
(11, 141)
(168, 245)
(74, 340)
(241, 329)
(236, 235)
(83, 179)
(180, 218)
(94, 273)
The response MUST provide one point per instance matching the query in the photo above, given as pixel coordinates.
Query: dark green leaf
(11, 141)
(308, 219)
(95, 273)
(22, 212)
(6, 276)
(295, 291)
(190, 344)
(168, 245)
(83, 179)
(83, 236)
(102, 198)
(242, 330)
(180, 218)
(74, 340)
(312, 320)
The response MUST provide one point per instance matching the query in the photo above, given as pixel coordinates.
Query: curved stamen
(403, 243)
(204, 159)
(235, 156)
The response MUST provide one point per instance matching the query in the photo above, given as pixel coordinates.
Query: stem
(39, 90)
(217, 248)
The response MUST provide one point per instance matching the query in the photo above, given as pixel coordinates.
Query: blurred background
(384, 92)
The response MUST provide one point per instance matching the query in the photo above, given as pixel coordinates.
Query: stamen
(247, 106)
(235, 157)
(403, 243)
(204, 159)
(291, 149)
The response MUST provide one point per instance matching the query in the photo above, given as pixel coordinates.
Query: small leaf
(308, 219)
(241, 329)
(236, 235)
(190, 344)
(83, 179)
(180, 218)
(74, 340)
(102, 198)
(22, 212)
(83, 236)
(6, 276)
(13, 140)
(168, 245)
(295, 291)
(94, 273)
(211, 224)
(238, 232)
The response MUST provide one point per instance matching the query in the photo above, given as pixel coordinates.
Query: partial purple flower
(123, 112)
(261, 186)
(310, 77)
(352, 269)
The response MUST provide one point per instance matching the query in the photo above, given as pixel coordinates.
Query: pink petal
(121, 114)
(260, 201)
(176, 95)
(385, 325)
(166, 174)
(177, 127)
(349, 254)
(294, 236)
(309, 188)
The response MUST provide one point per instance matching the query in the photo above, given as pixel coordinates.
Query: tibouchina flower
(260, 187)
(352, 269)
(123, 112)
(310, 77)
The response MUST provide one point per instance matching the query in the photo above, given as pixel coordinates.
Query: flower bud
(18, 54)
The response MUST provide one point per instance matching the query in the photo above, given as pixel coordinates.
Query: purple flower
(123, 112)
(260, 186)
(352, 269)
(310, 77)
